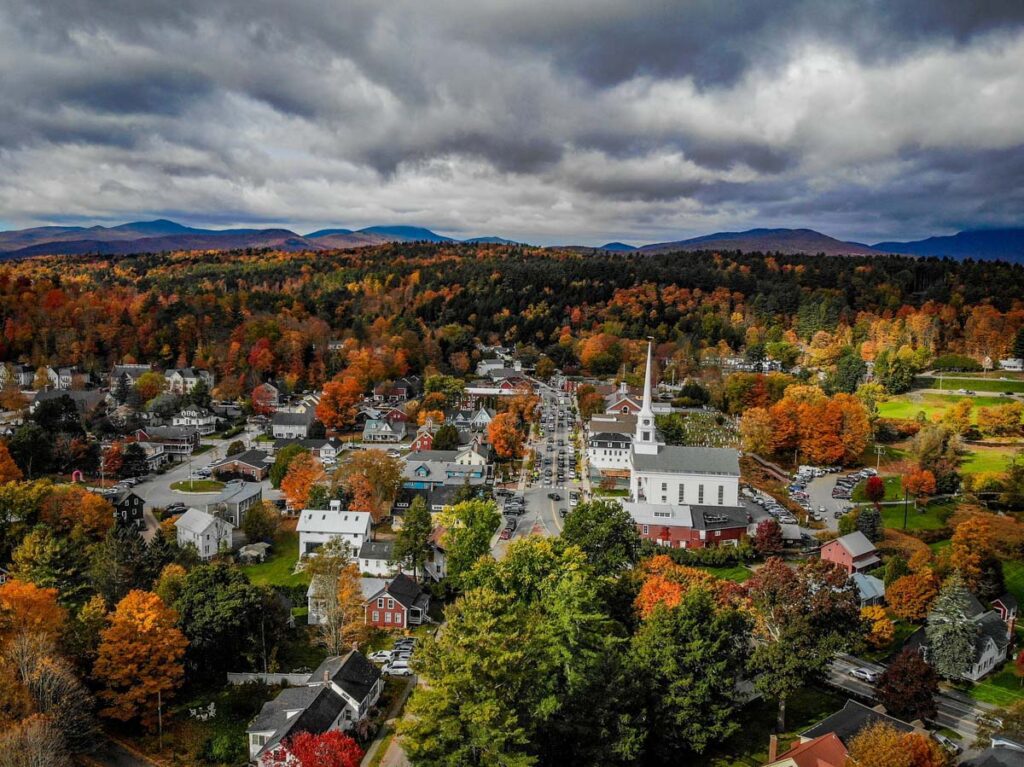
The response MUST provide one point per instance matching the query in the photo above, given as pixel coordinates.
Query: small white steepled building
(667, 474)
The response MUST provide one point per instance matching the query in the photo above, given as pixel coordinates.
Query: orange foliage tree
(918, 482)
(880, 630)
(910, 597)
(140, 655)
(373, 478)
(972, 542)
(666, 583)
(9, 471)
(505, 436)
(337, 408)
(67, 507)
(26, 607)
(882, 745)
(303, 473)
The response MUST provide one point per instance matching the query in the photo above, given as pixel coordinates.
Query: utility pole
(160, 718)
(905, 497)
(878, 452)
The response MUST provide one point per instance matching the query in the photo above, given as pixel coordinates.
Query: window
(646, 531)
(721, 495)
(391, 604)
(380, 602)
(700, 494)
(682, 493)
(664, 486)
(646, 437)
(387, 617)
(259, 740)
(376, 616)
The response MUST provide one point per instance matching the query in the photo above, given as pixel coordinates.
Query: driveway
(820, 491)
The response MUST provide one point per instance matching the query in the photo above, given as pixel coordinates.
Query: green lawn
(198, 486)
(1002, 688)
(749, 746)
(940, 545)
(203, 447)
(987, 460)
(930, 517)
(277, 570)
(909, 405)
(737, 573)
(1013, 573)
(972, 383)
(893, 490)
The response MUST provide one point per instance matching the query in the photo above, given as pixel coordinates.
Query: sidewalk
(388, 729)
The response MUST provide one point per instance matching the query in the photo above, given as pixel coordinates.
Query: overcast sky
(542, 120)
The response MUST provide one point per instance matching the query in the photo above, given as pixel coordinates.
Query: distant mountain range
(163, 235)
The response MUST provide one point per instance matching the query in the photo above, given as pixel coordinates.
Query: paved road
(955, 711)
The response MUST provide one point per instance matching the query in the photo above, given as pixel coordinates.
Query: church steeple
(645, 440)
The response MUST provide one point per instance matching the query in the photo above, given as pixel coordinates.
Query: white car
(381, 656)
(865, 674)
(398, 669)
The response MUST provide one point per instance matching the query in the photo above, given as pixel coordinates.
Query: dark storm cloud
(537, 120)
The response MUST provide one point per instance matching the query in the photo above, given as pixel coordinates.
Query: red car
(506, 533)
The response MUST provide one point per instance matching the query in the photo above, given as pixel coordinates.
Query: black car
(554, 496)
(511, 524)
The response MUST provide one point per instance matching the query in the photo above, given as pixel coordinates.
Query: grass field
(198, 486)
(1002, 688)
(940, 545)
(893, 490)
(277, 570)
(931, 517)
(1013, 573)
(909, 405)
(748, 747)
(987, 460)
(972, 383)
(737, 573)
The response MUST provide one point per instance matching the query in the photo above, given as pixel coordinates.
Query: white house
(209, 534)
(318, 526)
(991, 641)
(383, 430)
(667, 474)
(286, 425)
(184, 380)
(1012, 363)
(610, 443)
(198, 417)
(376, 558)
(336, 696)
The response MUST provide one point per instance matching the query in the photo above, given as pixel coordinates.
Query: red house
(689, 527)
(401, 603)
(424, 440)
(853, 552)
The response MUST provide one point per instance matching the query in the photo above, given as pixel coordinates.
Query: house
(292, 425)
(20, 376)
(398, 605)
(383, 430)
(376, 558)
(689, 526)
(1015, 364)
(851, 719)
(991, 641)
(436, 498)
(184, 380)
(235, 500)
(437, 566)
(128, 508)
(870, 589)
(156, 456)
(1006, 606)
(610, 445)
(853, 552)
(1004, 752)
(66, 378)
(485, 367)
(86, 400)
(327, 450)
(178, 441)
(127, 375)
(199, 418)
(625, 401)
(209, 534)
(424, 439)
(394, 392)
(426, 474)
(337, 695)
(824, 751)
(253, 465)
(267, 395)
(317, 526)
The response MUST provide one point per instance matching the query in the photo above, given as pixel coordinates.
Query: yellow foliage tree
(26, 607)
(140, 656)
(972, 542)
(881, 629)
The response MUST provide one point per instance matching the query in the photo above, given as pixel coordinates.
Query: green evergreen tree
(412, 546)
(53, 562)
(869, 522)
(951, 634)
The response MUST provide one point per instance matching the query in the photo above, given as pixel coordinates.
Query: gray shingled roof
(272, 715)
(353, 673)
(851, 719)
(679, 459)
(856, 543)
(377, 550)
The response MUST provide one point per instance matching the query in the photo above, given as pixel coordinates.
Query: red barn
(401, 603)
(689, 527)
(853, 552)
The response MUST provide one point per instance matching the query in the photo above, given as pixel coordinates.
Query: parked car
(865, 674)
(381, 656)
(562, 512)
(951, 746)
(505, 534)
(554, 496)
(398, 669)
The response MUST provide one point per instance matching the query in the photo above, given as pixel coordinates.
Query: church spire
(645, 440)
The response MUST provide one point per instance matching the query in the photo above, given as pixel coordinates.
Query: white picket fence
(246, 677)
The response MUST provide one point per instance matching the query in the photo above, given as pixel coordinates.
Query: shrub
(958, 362)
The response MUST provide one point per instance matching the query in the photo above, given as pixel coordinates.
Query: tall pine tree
(951, 633)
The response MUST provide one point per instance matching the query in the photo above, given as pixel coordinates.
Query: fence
(252, 676)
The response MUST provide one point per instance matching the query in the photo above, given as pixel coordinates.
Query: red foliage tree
(327, 749)
(875, 489)
(768, 537)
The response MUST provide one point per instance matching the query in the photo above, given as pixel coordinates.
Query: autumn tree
(805, 616)
(910, 596)
(504, 434)
(908, 686)
(768, 537)
(262, 522)
(971, 544)
(303, 473)
(9, 471)
(26, 607)
(880, 630)
(337, 407)
(338, 599)
(282, 460)
(874, 489)
(51, 561)
(149, 385)
(373, 479)
(756, 431)
(35, 741)
(958, 415)
(882, 745)
(140, 655)
(332, 748)
(918, 482)
(67, 507)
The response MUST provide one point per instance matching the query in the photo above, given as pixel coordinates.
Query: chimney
(335, 505)
(773, 747)
(327, 678)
